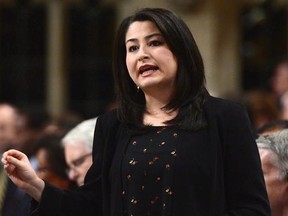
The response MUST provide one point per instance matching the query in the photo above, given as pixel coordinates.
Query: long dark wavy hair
(190, 79)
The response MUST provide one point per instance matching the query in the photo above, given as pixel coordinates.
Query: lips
(145, 68)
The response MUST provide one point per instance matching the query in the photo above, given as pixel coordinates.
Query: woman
(170, 148)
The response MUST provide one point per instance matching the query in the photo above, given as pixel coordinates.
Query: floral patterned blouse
(147, 172)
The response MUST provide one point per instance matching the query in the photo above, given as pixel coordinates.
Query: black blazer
(218, 170)
(16, 202)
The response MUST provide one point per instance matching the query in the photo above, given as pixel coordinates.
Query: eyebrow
(146, 37)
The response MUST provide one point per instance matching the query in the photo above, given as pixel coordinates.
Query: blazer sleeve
(85, 200)
(243, 178)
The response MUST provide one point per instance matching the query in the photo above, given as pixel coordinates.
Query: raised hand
(21, 172)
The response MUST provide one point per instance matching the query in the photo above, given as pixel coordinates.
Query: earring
(138, 88)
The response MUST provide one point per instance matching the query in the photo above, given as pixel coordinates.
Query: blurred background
(56, 54)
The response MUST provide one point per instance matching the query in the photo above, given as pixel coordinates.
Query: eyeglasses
(77, 162)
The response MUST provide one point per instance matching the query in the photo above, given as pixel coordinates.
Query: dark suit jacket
(16, 202)
(218, 170)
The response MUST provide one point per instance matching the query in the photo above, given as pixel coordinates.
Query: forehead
(7, 113)
(140, 29)
(76, 148)
(265, 153)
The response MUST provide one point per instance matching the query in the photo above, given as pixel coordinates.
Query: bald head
(8, 126)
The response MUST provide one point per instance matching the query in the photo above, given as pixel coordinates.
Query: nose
(142, 58)
(142, 54)
(72, 174)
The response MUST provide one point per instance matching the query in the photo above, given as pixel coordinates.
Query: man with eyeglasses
(273, 149)
(78, 144)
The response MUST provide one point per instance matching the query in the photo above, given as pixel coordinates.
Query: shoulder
(107, 121)
(108, 116)
(222, 106)
(229, 118)
(226, 111)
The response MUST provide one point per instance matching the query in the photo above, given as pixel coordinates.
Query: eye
(132, 48)
(78, 162)
(155, 43)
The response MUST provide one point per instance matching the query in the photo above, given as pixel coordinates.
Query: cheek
(88, 163)
(167, 58)
(132, 68)
(130, 64)
(85, 166)
(275, 187)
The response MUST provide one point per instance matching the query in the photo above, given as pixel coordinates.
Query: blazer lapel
(122, 141)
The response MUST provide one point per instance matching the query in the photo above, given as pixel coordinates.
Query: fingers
(9, 169)
(3, 160)
(7, 166)
(14, 153)
(12, 159)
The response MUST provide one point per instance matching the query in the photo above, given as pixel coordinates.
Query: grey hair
(83, 132)
(277, 142)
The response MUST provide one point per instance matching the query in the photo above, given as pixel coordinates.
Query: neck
(156, 102)
(158, 95)
(156, 116)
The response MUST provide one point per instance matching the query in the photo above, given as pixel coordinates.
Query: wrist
(36, 188)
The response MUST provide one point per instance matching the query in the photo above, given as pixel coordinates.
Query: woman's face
(150, 62)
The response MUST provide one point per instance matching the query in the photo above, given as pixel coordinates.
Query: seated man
(273, 149)
(78, 144)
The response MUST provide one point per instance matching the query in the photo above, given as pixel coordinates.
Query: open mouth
(146, 68)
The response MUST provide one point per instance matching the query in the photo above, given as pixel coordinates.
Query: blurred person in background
(9, 126)
(261, 107)
(13, 201)
(64, 123)
(279, 86)
(19, 129)
(78, 144)
(34, 122)
(51, 164)
(284, 106)
(273, 149)
(279, 79)
(272, 126)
